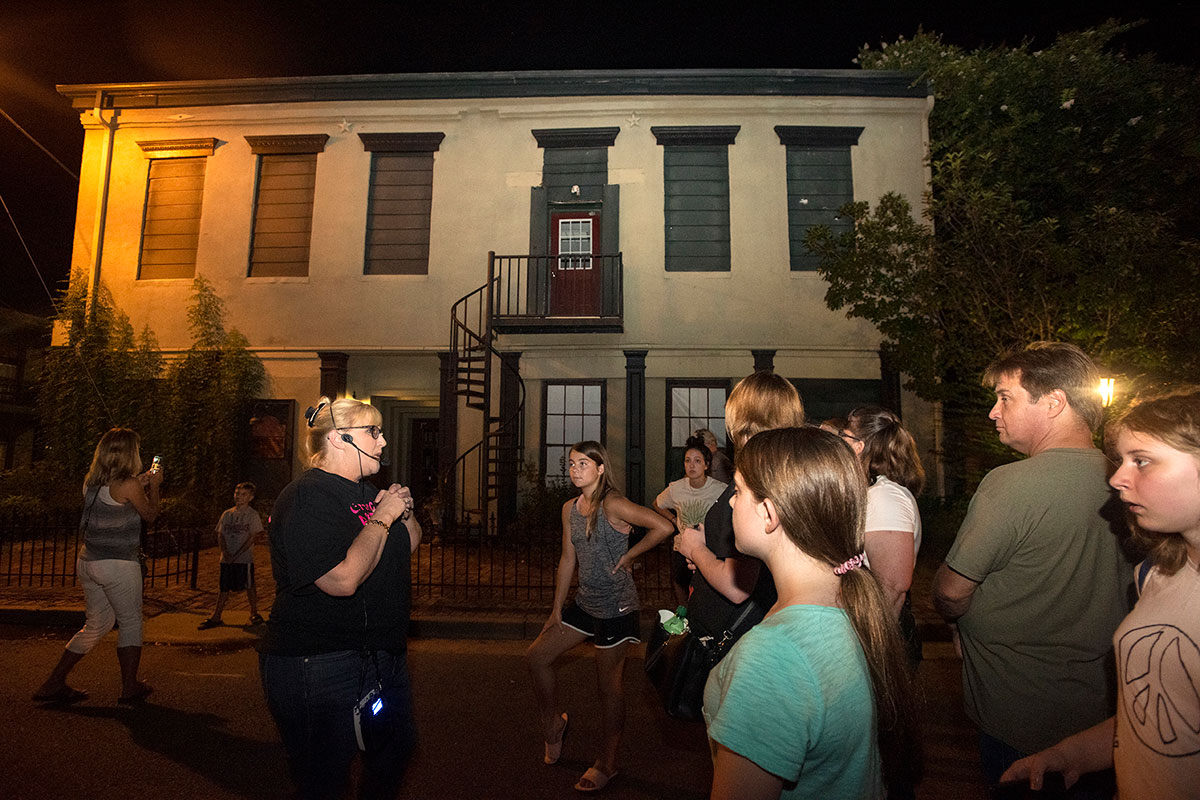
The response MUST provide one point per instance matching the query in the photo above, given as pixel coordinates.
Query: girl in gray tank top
(595, 539)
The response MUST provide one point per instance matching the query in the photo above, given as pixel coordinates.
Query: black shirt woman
(726, 582)
(340, 552)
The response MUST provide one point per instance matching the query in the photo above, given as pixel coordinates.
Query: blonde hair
(117, 456)
(596, 452)
(818, 488)
(760, 402)
(1173, 418)
(328, 416)
(888, 448)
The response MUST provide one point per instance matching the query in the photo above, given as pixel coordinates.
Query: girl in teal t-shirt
(815, 701)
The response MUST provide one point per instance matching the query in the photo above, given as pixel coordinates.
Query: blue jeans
(312, 700)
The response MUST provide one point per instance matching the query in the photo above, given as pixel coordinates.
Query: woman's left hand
(624, 563)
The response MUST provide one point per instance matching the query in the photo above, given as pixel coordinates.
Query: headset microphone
(348, 439)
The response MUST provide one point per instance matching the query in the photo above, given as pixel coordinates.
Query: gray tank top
(601, 593)
(110, 530)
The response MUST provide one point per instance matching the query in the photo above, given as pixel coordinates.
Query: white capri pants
(112, 590)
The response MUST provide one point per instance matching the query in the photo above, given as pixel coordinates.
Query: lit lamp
(1105, 389)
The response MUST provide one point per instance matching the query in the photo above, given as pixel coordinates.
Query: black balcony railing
(524, 286)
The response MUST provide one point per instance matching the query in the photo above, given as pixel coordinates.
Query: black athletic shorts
(604, 632)
(236, 577)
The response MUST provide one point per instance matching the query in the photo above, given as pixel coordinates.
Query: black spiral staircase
(482, 481)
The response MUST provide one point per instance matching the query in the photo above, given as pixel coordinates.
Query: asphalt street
(206, 732)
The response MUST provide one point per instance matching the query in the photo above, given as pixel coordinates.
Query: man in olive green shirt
(1035, 582)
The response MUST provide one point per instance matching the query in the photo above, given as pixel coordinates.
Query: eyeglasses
(374, 430)
(849, 436)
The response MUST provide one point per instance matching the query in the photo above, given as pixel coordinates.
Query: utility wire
(82, 363)
(42, 147)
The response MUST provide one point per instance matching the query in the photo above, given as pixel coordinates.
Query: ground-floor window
(693, 404)
(573, 411)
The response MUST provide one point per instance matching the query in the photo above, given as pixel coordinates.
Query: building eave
(473, 85)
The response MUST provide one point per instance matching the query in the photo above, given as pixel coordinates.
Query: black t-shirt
(710, 613)
(315, 520)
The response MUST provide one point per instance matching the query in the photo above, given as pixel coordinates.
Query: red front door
(575, 285)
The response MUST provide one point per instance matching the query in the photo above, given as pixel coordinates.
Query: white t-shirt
(892, 507)
(680, 494)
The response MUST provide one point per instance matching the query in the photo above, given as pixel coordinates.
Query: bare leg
(130, 658)
(541, 655)
(58, 676)
(252, 597)
(222, 597)
(610, 674)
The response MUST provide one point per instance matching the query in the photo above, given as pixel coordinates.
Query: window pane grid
(573, 413)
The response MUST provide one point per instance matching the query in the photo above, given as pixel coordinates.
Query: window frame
(307, 144)
(680, 140)
(543, 448)
(422, 144)
(161, 151)
(669, 448)
(826, 140)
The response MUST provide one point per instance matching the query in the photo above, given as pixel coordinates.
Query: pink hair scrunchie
(850, 563)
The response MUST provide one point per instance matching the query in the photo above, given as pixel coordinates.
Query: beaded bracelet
(372, 521)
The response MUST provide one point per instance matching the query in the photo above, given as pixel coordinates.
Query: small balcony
(556, 294)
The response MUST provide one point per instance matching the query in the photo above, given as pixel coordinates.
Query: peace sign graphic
(1161, 669)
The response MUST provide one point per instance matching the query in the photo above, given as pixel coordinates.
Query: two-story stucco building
(646, 228)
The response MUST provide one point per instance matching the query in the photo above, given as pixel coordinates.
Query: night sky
(94, 41)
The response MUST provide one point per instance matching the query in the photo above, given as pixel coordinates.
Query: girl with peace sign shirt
(1154, 740)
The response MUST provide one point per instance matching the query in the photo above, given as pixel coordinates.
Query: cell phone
(156, 464)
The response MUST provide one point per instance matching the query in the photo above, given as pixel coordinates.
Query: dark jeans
(996, 757)
(312, 700)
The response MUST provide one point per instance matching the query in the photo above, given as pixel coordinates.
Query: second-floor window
(696, 196)
(400, 203)
(819, 182)
(283, 203)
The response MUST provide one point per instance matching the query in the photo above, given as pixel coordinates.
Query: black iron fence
(503, 571)
(41, 550)
(516, 571)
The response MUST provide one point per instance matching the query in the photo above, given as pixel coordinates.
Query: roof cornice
(475, 85)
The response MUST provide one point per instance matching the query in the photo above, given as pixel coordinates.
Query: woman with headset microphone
(333, 661)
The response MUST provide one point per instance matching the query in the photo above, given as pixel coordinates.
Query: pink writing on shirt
(363, 510)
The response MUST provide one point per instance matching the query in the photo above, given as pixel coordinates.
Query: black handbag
(678, 665)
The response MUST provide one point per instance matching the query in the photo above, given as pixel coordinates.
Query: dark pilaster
(333, 374)
(447, 436)
(889, 391)
(764, 359)
(635, 425)
(508, 454)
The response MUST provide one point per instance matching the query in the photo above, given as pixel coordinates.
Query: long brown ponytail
(819, 489)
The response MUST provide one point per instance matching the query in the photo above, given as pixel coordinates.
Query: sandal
(143, 691)
(553, 751)
(64, 696)
(596, 780)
